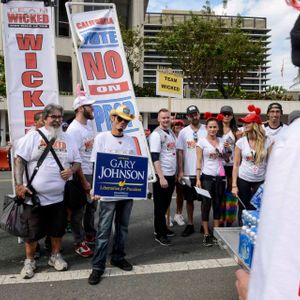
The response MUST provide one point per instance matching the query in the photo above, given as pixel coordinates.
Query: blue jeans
(121, 210)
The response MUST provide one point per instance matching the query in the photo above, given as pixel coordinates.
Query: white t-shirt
(83, 137)
(48, 183)
(166, 150)
(230, 138)
(275, 270)
(248, 170)
(212, 164)
(274, 133)
(186, 142)
(107, 143)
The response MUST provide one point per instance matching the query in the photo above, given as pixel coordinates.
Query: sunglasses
(55, 117)
(195, 136)
(227, 114)
(121, 119)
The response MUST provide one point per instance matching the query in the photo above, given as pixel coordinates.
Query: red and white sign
(30, 62)
(103, 66)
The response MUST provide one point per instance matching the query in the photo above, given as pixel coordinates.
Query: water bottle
(257, 197)
(243, 243)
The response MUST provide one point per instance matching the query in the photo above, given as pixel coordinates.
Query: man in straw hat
(114, 141)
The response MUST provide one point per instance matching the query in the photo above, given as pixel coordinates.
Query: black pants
(162, 198)
(246, 191)
(216, 187)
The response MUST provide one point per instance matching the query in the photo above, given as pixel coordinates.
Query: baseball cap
(122, 111)
(81, 101)
(295, 114)
(192, 109)
(274, 105)
(227, 109)
(251, 118)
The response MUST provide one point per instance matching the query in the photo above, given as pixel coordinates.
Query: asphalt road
(185, 270)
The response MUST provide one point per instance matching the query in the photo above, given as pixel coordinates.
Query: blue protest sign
(121, 176)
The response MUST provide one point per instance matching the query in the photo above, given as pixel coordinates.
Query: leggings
(215, 185)
(246, 191)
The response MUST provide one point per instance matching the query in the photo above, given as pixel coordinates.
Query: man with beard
(49, 217)
(186, 147)
(82, 134)
(117, 209)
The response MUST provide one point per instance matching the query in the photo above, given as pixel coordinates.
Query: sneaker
(178, 218)
(95, 277)
(56, 261)
(122, 264)
(207, 242)
(170, 233)
(27, 271)
(163, 240)
(215, 240)
(83, 250)
(171, 223)
(189, 229)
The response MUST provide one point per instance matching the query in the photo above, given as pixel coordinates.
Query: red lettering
(30, 41)
(93, 66)
(30, 60)
(28, 79)
(12, 18)
(29, 117)
(32, 98)
(113, 63)
(100, 21)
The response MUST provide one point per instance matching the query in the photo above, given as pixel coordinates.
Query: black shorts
(190, 193)
(49, 220)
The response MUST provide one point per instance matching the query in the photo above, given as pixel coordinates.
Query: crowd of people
(214, 155)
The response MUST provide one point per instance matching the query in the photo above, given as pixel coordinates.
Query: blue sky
(280, 19)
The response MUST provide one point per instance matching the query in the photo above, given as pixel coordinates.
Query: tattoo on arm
(19, 169)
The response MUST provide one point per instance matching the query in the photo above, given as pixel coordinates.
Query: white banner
(30, 62)
(104, 70)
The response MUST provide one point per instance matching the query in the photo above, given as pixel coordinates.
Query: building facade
(255, 28)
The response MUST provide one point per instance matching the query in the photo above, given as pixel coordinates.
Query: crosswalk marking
(113, 272)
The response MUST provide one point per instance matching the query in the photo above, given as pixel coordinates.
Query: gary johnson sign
(119, 176)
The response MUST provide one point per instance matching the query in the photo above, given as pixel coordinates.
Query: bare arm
(67, 173)
(180, 163)
(21, 190)
(199, 154)
(85, 184)
(235, 171)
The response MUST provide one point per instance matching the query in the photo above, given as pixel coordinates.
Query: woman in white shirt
(229, 132)
(210, 173)
(250, 159)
